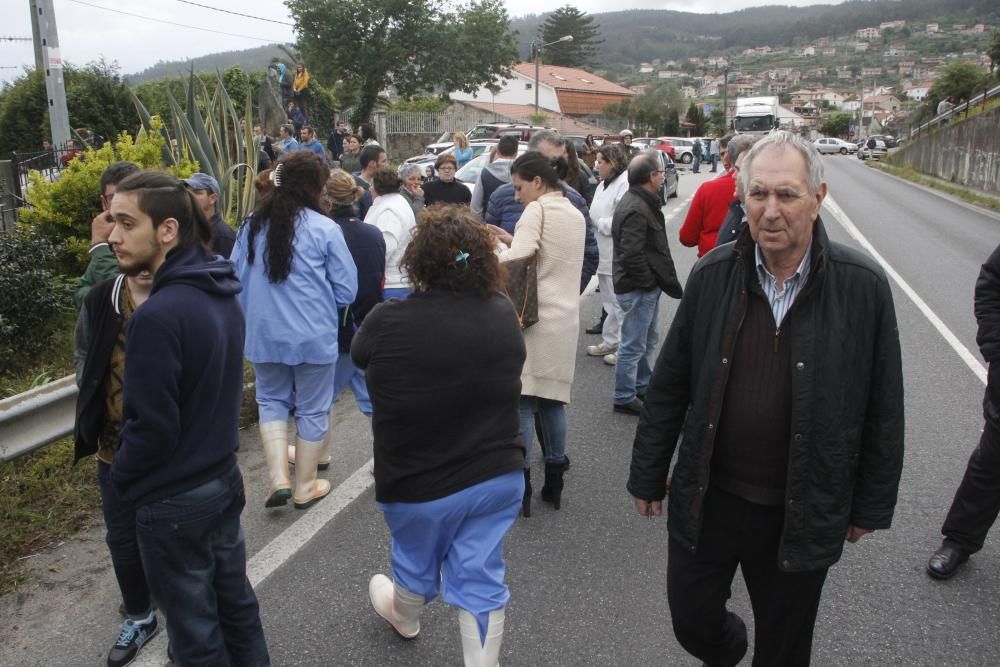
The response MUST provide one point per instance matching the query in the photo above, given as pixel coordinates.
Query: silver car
(834, 145)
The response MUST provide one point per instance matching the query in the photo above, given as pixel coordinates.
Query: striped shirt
(781, 299)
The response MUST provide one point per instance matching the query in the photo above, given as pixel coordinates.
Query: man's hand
(648, 509)
(101, 227)
(854, 533)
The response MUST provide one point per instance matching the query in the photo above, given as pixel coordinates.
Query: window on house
(527, 86)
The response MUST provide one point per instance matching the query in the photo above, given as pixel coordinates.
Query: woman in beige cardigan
(553, 227)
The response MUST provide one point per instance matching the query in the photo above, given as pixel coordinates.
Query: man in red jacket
(711, 202)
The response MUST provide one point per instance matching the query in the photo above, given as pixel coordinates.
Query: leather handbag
(522, 284)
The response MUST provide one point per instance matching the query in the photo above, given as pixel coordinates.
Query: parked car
(478, 147)
(887, 139)
(670, 177)
(486, 131)
(682, 149)
(865, 153)
(468, 174)
(833, 145)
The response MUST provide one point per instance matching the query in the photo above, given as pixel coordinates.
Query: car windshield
(445, 138)
(481, 132)
(753, 124)
(470, 172)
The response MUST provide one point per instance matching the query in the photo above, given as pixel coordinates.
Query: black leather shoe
(597, 328)
(633, 407)
(945, 561)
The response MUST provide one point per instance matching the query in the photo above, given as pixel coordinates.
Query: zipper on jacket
(777, 335)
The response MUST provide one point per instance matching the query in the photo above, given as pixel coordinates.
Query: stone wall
(966, 153)
(402, 146)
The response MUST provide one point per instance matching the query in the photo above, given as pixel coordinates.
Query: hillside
(250, 60)
(636, 36)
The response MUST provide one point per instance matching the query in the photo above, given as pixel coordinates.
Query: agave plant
(208, 131)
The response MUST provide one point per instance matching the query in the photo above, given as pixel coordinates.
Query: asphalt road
(588, 582)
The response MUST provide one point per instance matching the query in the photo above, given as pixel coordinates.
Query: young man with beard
(183, 384)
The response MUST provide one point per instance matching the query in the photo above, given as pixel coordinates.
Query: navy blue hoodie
(183, 380)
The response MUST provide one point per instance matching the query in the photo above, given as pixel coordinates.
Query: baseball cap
(200, 181)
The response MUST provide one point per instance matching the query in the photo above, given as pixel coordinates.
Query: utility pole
(725, 99)
(36, 36)
(43, 26)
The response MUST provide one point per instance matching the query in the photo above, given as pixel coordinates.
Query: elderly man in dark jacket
(977, 501)
(641, 268)
(782, 377)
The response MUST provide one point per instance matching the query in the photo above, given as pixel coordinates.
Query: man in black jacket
(100, 365)
(977, 500)
(183, 385)
(641, 268)
(782, 376)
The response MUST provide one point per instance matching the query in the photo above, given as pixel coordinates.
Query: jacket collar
(744, 249)
(648, 197)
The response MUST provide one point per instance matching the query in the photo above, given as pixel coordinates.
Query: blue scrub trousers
(456, 543)
(306, 387)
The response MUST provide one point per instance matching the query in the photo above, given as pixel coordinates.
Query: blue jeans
(346, 374)
(119, 519)
(195, 556)
(696, 163)
(637, 351)
(552, 417)
(715, 161)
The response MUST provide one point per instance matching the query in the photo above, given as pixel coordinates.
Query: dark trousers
(119, 520)
(195, 556)
(739, 533)
(977, 500)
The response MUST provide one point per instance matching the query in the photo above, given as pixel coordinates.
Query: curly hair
(302, 177)
(435, 257)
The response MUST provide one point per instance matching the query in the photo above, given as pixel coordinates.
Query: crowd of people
(372, 278)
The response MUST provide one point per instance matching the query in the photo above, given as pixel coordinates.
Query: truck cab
(756, 115)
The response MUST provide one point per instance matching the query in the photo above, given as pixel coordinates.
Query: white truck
(756, 115)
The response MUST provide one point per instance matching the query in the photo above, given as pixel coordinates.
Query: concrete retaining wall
(966, 153)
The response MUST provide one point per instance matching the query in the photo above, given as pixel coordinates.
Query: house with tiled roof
(566, 90)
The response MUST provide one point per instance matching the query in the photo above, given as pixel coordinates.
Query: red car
(659, 143)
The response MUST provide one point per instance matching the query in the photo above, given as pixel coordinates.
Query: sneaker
(132, 638)
(611, 359)
(601, 350)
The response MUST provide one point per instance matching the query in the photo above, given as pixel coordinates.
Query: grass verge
(47, 498)
(915, 176)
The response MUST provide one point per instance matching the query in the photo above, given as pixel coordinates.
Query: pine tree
(568, 20)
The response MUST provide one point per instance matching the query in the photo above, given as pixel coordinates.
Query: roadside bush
(61, 211)
(36, 300)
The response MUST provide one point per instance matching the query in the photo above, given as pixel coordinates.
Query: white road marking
(963, 352)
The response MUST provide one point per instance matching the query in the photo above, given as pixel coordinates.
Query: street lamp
(536, 50)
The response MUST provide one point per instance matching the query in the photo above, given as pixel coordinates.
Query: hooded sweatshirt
(490, 178)
(183, 380)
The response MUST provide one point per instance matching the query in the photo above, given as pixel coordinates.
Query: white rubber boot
(308, 489)
(398, 606)
(324, 457)
(274, 438)
(476, 653)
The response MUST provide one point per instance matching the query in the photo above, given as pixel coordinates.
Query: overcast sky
(88, 32)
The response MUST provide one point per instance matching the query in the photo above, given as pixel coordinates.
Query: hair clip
(462, 257)
(276, 175)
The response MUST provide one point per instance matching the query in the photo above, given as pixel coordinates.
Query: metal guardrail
(31, 420)
(937, 121)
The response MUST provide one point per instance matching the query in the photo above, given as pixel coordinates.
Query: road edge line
(963, 352)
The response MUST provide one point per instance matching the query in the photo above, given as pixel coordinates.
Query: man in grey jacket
(494, 174)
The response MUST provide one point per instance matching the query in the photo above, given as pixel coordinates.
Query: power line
(226, 11)
(15, 39)
(179, 25)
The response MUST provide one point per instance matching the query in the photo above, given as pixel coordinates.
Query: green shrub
(35, 301)
(61, 211)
